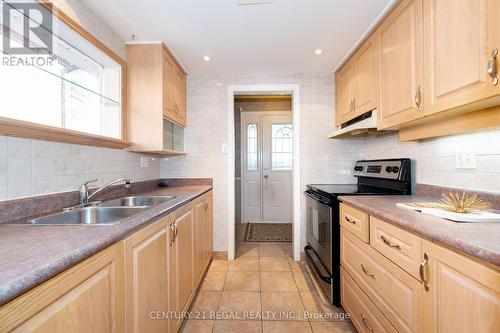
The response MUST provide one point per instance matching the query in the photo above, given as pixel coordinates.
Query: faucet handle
(89, 181)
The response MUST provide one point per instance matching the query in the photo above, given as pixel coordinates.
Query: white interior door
(266, 167)
(277, 162)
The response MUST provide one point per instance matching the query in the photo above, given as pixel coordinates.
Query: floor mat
(269, 232)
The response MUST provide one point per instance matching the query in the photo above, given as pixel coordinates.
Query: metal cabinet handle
(422, 271)
(366, 272)
(418, 98)
(176, 231)
(365, 322)
(172, 230)
(492, 66)
(349, 220)
(389, 243)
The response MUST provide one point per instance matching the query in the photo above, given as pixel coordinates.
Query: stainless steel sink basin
(138, 201)
(88, 216)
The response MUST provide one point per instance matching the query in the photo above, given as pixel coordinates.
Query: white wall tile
(435, 159)
(19, 167)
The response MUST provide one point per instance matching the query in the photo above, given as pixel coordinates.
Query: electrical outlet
(465, 160)
(144, 162)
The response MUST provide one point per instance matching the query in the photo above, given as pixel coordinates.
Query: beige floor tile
(277, 281)
(244, 305)
(319, 309)
(197, 326)
(219, 266)
(245, 264)
(237, 326)
(271, 251)
(214, 281)
(242, 281)
(205, 303)
(333, 327)
(286, 327)
(247, 250)
(274, 264)
(304, 280)
(282, 306)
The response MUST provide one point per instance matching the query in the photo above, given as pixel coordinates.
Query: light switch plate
(465, 160)
(144, 162)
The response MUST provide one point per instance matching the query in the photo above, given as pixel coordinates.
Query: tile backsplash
(435, 159)
(32, 167)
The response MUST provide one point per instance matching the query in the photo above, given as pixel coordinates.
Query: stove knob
(358, 168)
(395, 169)
(388, 169)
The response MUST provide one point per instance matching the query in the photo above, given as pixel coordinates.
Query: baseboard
(219, 255)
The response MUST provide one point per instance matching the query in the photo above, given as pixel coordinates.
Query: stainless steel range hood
(361, 127)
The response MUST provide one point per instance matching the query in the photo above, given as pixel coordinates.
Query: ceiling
(276, 37)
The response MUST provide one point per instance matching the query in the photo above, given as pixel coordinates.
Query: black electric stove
(373, 177)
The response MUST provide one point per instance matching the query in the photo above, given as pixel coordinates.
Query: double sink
(106, 213)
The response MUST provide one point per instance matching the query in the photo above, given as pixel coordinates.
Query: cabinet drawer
(401, 247)
(355, 221)
(396, 293)
(363, 313)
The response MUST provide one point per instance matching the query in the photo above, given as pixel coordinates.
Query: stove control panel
(386, 169)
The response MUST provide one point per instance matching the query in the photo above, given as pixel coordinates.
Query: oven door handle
(318, 198)
(325, 278)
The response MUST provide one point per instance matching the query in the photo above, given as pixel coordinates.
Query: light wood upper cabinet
(344, 81)
(357, 83)
(366, 83)
(463, 295)
(460, 36)
(156, 90)
(401, 65)
(86, 298)
(146, 272)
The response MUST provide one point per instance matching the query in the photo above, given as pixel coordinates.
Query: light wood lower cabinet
(146, 272)
(463, 295)
(140, 284)
(415, 285)
(86, 298)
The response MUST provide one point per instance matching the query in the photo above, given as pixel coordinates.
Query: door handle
(266, 176)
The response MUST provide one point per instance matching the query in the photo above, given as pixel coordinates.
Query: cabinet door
(367, 64)
(169, 86)
(463, 295)
(174, 308)
(146, 277)
(86, 298)
(460, 36)
(345, 93)
(401, 72)
(180, 98)
(209, 231)
(183, 244)
(199, 240)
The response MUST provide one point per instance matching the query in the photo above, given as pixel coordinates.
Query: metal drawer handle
(389, 243)
(349, 220)
(365, 322)
(492, 67)
(422, 271)
(366, 272)
(172, 229)
(418, 98)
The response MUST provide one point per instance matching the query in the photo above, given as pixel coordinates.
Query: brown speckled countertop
(480, 240)
(31, 254)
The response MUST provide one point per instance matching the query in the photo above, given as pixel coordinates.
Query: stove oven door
(319, 228)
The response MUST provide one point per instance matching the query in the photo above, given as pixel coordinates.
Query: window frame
(31, 130)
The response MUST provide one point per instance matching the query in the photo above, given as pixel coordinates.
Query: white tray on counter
(476, 217)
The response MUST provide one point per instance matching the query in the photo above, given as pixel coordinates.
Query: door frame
(267, 89)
